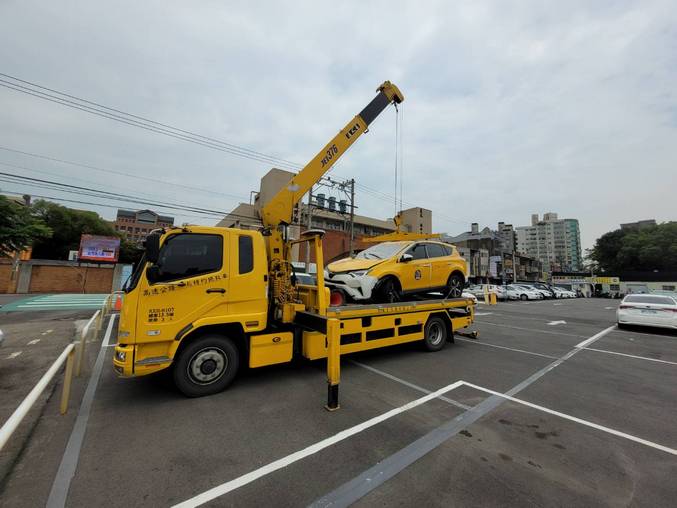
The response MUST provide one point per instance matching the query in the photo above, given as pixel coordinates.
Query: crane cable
(397, 135)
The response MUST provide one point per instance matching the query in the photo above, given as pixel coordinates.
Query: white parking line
(529, 329)
(254, 475)
(33, 342)
(629, 356)
(47, 332)
(310, 450)
(407, 383)
(577, 420)
(505, 347)
(592, 339)
(13, 355)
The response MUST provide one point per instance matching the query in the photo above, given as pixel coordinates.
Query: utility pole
(352, 216)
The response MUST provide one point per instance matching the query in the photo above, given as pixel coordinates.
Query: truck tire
(435, 333)
(206, 366)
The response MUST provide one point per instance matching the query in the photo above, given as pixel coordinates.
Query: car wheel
(524, 297)
(435, 334)
(455, 285)
(206, 366)
(389, 291)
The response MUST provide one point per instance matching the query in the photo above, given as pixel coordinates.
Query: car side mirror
(406, 258)
(153, 273)
(153, 247)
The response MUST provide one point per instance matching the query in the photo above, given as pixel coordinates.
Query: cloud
(511, 108)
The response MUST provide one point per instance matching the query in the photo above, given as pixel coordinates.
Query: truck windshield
(133, 279)
(380, 251)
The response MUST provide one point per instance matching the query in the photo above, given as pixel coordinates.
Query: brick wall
(70, 279)
(5, 276)
(335, 246)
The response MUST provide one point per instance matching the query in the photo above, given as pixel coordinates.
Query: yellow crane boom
(276, 215)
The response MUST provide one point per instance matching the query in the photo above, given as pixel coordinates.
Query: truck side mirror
(406, 258)
(153, 247)
(153, 273)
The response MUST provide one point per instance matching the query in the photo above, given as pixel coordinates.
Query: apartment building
(137, 225)
(555, 242)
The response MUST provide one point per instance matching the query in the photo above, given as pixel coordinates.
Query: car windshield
(380, 251)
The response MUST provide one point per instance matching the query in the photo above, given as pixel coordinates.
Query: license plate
(647, 311)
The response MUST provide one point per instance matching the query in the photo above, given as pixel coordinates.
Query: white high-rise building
(555, 242)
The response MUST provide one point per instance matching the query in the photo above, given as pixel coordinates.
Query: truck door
(190, 281)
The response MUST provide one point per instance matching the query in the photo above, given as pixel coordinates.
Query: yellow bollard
(67, 379)
(333, 364)
(492, 299)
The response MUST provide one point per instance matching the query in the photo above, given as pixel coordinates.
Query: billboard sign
(99, 248)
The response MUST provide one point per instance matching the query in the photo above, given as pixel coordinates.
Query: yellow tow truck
(205, 301)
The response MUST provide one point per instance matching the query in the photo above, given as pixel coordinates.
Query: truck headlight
(120, 356)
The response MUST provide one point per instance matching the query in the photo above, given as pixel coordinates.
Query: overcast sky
(511, 108)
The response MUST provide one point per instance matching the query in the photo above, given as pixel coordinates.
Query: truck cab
(206, 278)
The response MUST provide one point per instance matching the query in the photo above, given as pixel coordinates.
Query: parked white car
(647, 310)
(543, 293)
(516, 292)
(469, 295)
(478, 291)
(563, 293)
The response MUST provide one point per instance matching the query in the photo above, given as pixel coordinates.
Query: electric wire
(231, 145)
(135, 123)
(120, 173)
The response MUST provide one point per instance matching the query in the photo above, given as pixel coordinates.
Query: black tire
(524, 297)
(455, 285)
(621, 326)
(388, 291)
(206, 366)
(435, 334)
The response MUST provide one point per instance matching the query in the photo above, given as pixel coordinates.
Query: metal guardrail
(73, 355)
(19, 414)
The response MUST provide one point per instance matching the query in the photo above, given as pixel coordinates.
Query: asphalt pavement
(551, 406)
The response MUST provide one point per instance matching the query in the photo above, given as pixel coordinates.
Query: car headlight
(359, 273)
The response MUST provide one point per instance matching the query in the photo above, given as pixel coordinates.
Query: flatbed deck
(358, 310)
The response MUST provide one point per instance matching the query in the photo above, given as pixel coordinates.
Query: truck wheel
(206, 366)
(455, 285)
(435, 334)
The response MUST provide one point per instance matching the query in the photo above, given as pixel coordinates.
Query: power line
(76, 189)
(98, 109)
(231, 145)
(104, 170)
(135, 123)
(88, 203)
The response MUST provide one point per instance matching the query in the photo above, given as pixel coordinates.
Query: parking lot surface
(551, 406)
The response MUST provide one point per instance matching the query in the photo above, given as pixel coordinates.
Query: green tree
(643, 249)
(68, 225)
(20, 227)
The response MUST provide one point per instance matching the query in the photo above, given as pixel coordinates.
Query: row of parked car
(520, 291)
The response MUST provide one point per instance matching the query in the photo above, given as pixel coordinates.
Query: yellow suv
(387, 272)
